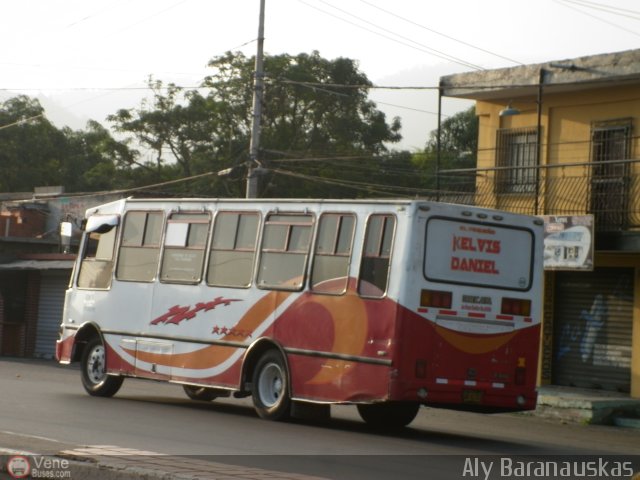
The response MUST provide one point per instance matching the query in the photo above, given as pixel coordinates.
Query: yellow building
(560, 139)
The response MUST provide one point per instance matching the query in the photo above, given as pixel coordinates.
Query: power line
(350, 183)
(441, 34)
(455, 59)
(92, 15)
(422, 48)
(622, 12)
(152, 16)
(565, 4)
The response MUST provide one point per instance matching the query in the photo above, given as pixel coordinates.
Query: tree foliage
(321, 137)
(458, 150)
(305, 114)
(33, 152)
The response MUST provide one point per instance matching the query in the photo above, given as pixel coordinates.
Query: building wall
(566, 123)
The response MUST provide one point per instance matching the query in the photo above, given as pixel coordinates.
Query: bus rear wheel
(270, 387)
(200, 393)
(93, 371)
(389, 414)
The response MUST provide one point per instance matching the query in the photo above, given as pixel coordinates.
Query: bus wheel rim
(96, 365)
(271, 385)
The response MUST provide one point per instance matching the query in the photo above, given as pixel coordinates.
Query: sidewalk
(579, 405)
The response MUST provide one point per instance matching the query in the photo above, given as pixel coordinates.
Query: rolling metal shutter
(593, 317)
(53, 284)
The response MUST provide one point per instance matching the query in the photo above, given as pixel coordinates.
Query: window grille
(517, 153)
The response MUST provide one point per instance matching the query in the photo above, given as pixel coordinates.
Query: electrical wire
(623, 12)
(565, 4)
(451, 57)
(449, 37)
(349, 183)
(421, 48)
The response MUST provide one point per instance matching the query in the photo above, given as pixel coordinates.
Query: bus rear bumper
(475, 398)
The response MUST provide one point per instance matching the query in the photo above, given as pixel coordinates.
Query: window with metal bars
(517, 154)
(610, 147)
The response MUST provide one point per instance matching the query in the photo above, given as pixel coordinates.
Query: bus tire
(200, 393)
(94, 377)
(389, 414)
(270, 387)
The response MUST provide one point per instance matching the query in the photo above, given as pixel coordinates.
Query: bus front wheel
(270, 388)
(389, 414)
(93, 367)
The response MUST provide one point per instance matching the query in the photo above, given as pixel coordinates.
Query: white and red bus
(388, 305)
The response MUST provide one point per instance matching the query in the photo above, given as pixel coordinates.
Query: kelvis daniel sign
(478, 254)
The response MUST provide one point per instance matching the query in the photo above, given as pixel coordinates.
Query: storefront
(31, 303)
(593, 321)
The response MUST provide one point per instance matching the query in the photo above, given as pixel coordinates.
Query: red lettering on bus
(476, 265)
(471, 244)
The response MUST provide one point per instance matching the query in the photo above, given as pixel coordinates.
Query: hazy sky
(89, 58)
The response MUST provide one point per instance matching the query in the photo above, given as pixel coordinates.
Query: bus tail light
(516, 306)
(435, 299)
(421, 368)
(520, 376)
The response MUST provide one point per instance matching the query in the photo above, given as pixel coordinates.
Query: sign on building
(568, 242)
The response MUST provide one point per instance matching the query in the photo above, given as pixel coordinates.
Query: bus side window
(184, 247)
(97, 260)
(285, 248)
(233, 249)
(330, 272)
(140, 247)
(374, 267)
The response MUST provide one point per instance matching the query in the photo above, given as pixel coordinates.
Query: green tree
(30, 146)
(458, 150)
(33, 152)
(94, 160)
(305, 115)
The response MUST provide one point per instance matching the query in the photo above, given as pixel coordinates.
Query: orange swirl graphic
(213, 355)
(349, 318)
(475, 344)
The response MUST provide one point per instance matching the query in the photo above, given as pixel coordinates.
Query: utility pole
(258, 94)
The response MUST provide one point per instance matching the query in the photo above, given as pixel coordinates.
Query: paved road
(43, 408)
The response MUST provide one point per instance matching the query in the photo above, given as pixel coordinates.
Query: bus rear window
(470, 253)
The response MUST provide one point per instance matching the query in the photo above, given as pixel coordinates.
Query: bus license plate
(472, 396)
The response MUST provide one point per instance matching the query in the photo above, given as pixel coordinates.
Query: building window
(233, 249)
(184, 247)
(517, 155)
(140, 246)
(376, 257)
(330, 272)
(610, 147)
(285, 248)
